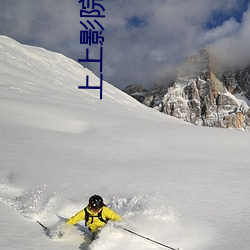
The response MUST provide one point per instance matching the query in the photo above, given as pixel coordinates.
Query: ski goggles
(94, 208)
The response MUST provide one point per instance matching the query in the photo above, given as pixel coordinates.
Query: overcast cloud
(144, 39)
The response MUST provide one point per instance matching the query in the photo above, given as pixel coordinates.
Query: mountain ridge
(200, 95)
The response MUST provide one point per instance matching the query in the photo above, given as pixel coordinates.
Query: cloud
(144, 39)
(228, 28)
(233, 49)
(171, 31)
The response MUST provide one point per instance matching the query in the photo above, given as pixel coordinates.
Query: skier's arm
(110, 214)
(77, 217)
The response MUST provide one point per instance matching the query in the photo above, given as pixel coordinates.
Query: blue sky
(218, 17)
(144, 39)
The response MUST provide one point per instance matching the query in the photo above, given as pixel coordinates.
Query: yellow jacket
(94, 223)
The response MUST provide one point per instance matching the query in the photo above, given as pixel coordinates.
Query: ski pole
(146, 238)
(45, 228)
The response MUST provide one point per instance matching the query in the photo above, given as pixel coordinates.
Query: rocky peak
(201, 97)
(237, 81)
(196, 64)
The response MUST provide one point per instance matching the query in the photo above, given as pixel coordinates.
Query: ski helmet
(96, 202)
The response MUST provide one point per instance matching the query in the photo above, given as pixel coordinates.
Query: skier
(95, 214)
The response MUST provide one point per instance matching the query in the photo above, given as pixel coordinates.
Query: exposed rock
(137, 91)
(133, 88)
(237, 81)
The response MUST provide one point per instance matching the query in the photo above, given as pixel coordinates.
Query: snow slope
(176, 183)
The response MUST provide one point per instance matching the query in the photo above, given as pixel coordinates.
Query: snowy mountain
(201, 96)
(237, 81)
(182, 185)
